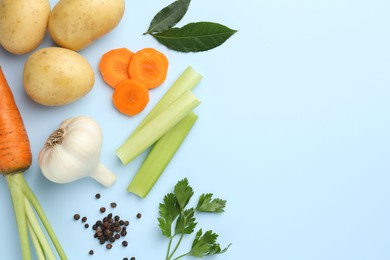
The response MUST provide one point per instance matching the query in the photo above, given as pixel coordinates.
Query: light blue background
(293, 132)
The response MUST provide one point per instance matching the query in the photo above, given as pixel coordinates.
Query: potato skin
(23, 24)
(75, 24)
(56, 76)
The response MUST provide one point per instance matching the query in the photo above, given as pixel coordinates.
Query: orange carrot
(130, 97)
(148, 66)
(15, 158)
(114, 64)
(15, 152)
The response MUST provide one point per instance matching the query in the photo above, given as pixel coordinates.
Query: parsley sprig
(177, 220)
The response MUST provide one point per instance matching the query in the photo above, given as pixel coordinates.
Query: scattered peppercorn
(125, 258)
(132, 258)
(109, 228)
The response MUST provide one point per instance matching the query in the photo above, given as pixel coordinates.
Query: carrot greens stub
(15, 158)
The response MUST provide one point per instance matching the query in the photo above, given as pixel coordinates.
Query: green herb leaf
(186, 222)
(195, 37)
(206, 244)
(206, 203)
(183, 193)
(168, 16)
(169, 210)
(172, 211)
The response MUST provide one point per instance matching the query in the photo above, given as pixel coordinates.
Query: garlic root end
(103, 175)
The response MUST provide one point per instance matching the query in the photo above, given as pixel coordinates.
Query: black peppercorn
(90, 252)
(97, 196)
(124, 243)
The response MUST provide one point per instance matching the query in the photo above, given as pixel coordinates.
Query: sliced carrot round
(114, 65)
(149, 66)
(130, 97)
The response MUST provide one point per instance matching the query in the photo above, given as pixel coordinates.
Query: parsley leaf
(207, 204)
(183, 193)
(169, 210)
(173, 211)
(186, 222)
(206, 244)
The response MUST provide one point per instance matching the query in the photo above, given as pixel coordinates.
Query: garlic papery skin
(73, 151)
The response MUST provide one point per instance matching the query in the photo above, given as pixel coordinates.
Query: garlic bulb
(72, 152)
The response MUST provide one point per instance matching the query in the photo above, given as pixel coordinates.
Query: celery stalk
(160, 155)
(186, 81)
(157, 126)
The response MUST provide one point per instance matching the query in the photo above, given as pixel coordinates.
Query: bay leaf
(169, 16)
(195, 37)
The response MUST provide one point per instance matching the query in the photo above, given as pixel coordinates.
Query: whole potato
(23, 24)
(75, 24)
(56, 76)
